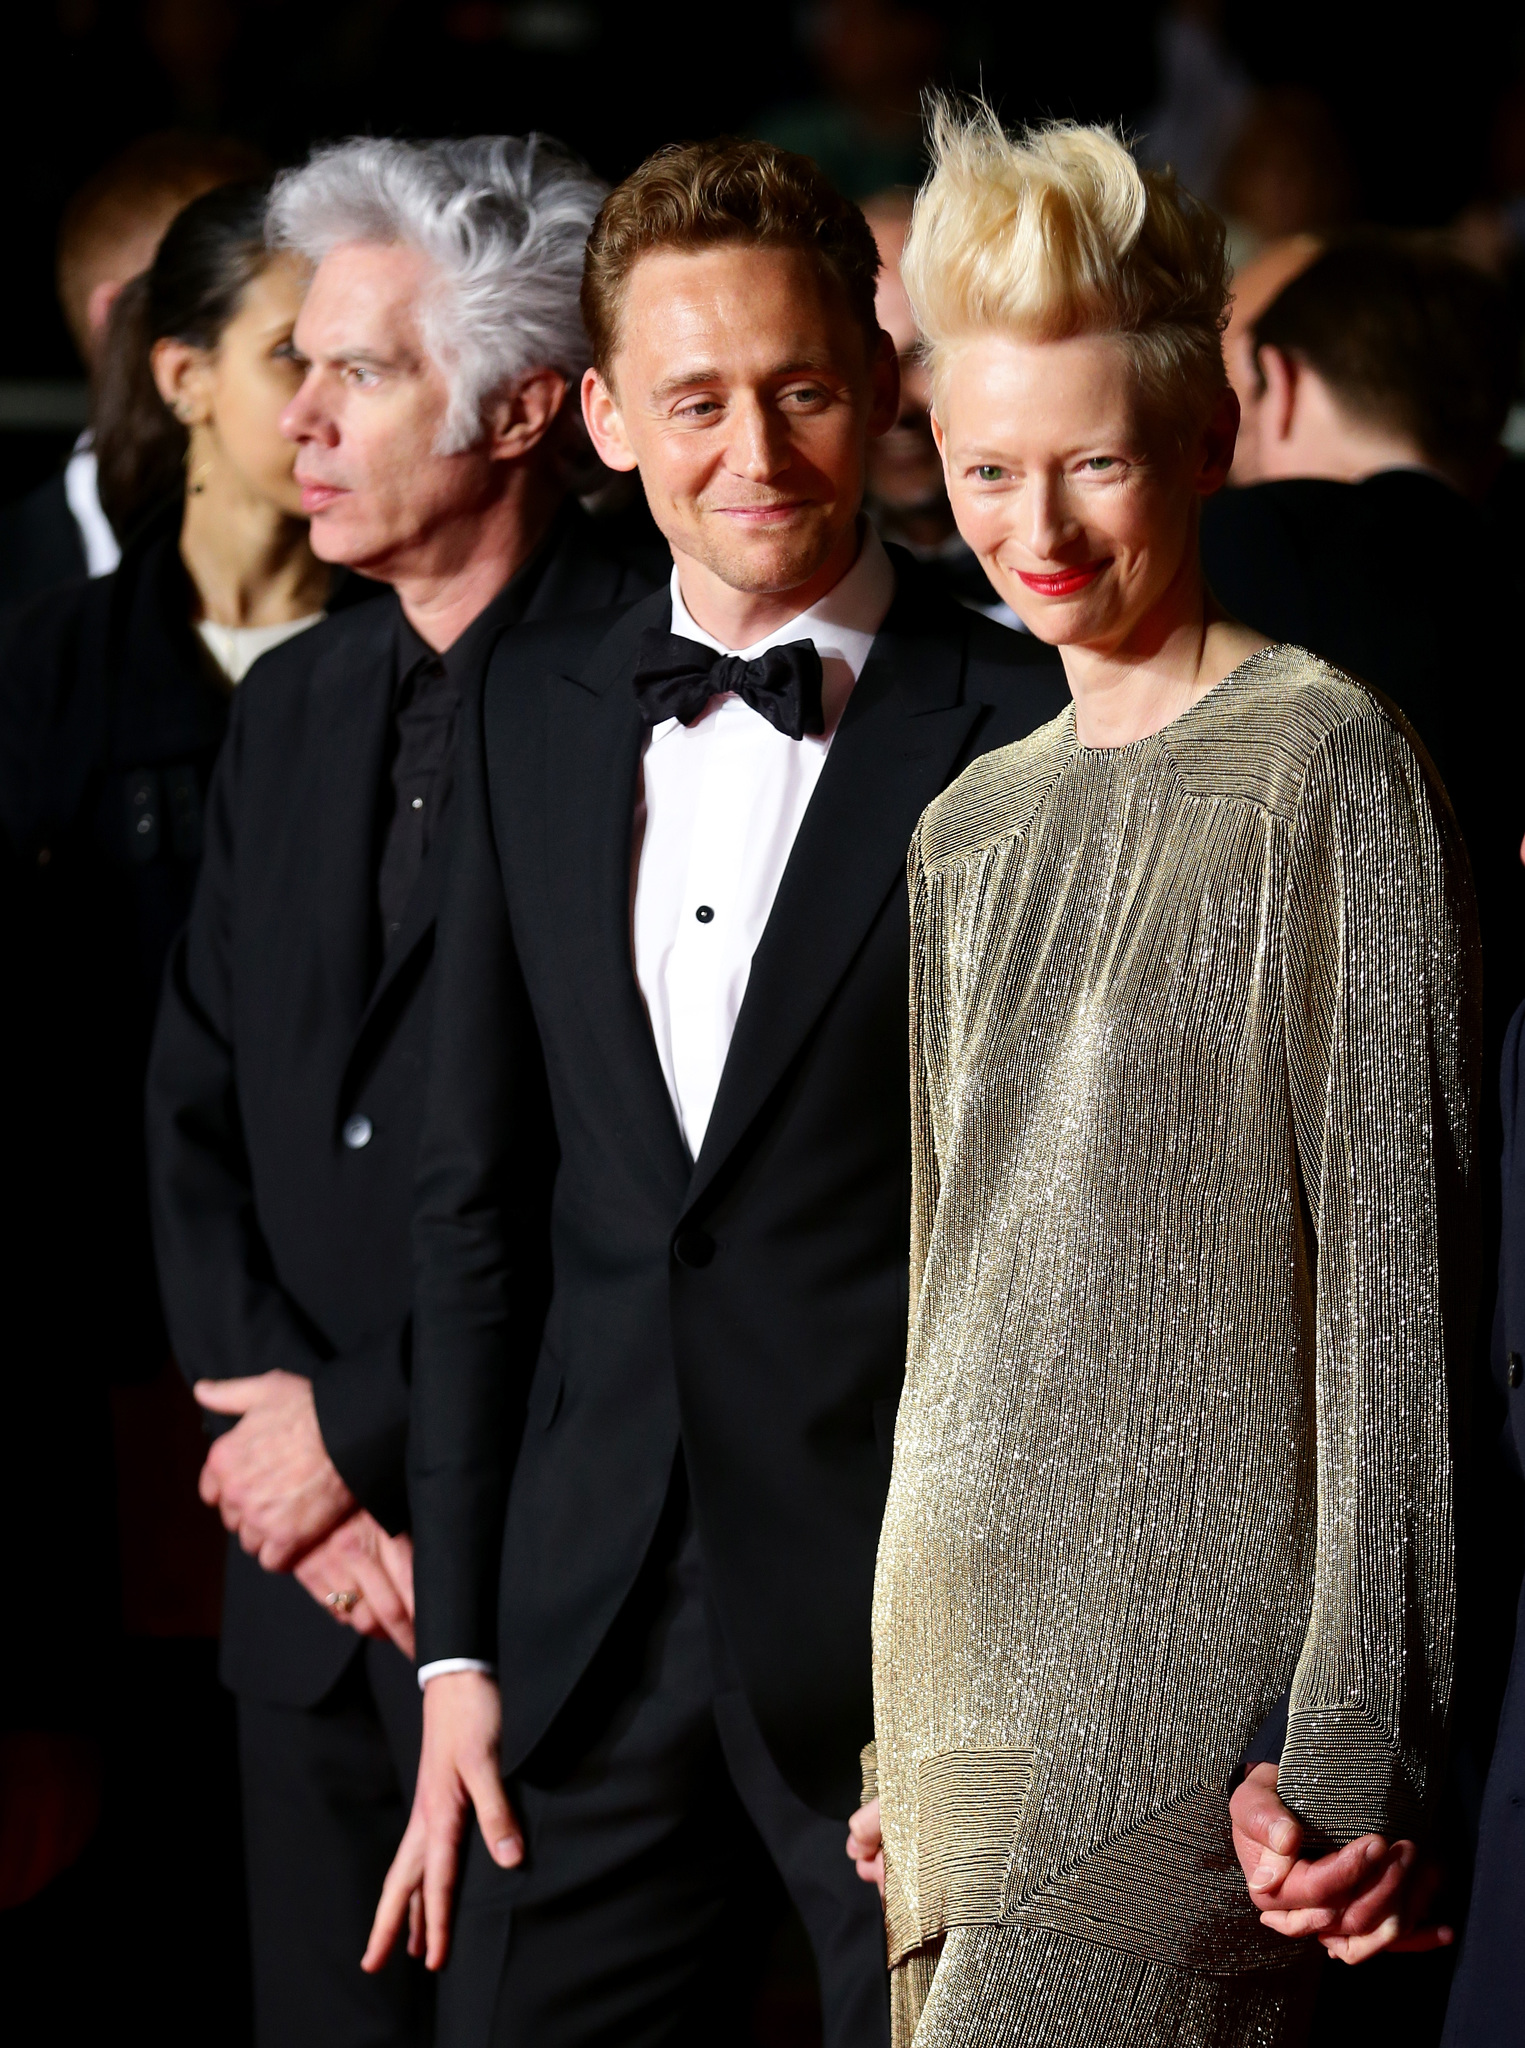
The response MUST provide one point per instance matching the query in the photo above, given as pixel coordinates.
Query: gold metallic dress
(1194, 1082)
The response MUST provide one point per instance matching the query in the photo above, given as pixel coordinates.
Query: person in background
(114, 696)
(907, 498)
(872, 59)
(433, 354)
(1383, 372)
(1254, 287)
(109, 233)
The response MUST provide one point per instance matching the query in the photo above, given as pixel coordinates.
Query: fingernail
(509, 1852)
(1404, 1855)
(1376, 1849)
(1388, 1931)
(1265, 1870)
(1283, 1836)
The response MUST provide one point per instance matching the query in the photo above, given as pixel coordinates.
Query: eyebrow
(689, 380)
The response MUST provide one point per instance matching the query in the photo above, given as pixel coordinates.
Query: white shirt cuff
(442, 1666)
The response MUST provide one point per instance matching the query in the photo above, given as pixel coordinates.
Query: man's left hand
(1355, 1902)
(270, 1477)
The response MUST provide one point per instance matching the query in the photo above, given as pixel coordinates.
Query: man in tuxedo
(440, 335)
(676, 932)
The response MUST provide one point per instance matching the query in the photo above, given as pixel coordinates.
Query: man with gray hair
(439, 337)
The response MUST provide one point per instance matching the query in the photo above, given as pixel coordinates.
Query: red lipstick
(1065, 582)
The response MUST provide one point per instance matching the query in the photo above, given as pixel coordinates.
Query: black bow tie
(676, 678)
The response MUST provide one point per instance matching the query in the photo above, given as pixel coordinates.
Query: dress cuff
(443, 1666)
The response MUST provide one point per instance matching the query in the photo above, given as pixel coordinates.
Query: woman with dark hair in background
(114, 697)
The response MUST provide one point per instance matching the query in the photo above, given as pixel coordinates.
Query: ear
(1280, 374)
(179, 371)
(522, 417)
(938, 436)
(606, 430)
(98, 305)
(884, 384)
(1215, 452)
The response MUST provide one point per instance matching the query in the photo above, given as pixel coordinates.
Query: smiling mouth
(763, 515)
(1065, 582)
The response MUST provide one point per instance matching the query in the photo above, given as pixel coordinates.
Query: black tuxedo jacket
(279, 1244)
(748, 1305)
(40, 545)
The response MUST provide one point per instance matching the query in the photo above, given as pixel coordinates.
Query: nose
(1050, 521)
(305, 418)
(759, 446)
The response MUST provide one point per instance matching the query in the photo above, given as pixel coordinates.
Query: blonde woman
(1194, 1073)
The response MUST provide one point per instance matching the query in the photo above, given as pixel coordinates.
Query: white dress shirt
(718, 807)
(82, 491)
(717, 810)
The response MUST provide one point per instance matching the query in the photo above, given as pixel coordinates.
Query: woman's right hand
(865, 1845)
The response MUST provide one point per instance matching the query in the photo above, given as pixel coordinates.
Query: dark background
(1414, 97)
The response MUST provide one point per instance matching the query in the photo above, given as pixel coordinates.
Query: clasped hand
(276, 1488)
(1358, 1900)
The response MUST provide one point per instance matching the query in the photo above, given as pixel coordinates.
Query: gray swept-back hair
(505, 221)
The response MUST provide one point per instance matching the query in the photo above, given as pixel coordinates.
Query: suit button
(1516, 1368)
(694, 1248)
(357, 1132)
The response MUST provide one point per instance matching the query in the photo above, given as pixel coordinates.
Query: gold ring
(342, 1603)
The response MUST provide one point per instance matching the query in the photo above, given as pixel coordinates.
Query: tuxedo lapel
(903, 731)
(593, 750)
(354, 687)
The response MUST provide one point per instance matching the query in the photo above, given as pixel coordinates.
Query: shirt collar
(842, 624)
(467, 653)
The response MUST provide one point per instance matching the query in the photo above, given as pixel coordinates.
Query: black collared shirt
(426, 712)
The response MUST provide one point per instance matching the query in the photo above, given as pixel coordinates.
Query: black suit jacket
(749, 1305)
(1401, 581)
(279, 1244)
(40, 545)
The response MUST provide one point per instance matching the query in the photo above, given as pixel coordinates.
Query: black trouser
(326, 1796)
(657, 1828)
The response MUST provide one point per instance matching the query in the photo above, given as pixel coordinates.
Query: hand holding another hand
(360, 1557)
(271, 1478)
(1356, 1901)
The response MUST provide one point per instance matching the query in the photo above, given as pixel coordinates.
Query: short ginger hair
(1057, 232)
(701, 195)
(137, 194)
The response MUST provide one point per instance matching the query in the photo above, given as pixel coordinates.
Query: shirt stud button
(1516, 1368)
(418, 803)
(357, 1132)
(704, 914)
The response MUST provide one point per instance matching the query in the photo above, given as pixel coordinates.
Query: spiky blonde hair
(1057, 232)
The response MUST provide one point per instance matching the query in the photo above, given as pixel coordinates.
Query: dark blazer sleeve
(485, 1166)
(229, 1317)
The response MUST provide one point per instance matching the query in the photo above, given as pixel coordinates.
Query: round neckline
(1078, 746)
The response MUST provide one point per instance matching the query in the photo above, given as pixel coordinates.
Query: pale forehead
(992, 386)
(365, 292)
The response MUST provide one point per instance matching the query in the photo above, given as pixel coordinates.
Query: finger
(380, 1593)
(397, 1893)
(1257, 1812)
(226, 1397)
(209, 1485)
(1372, 1905)
(1420, 1940)
(416, 1927)
(1357, 1948)
(441, 1856)
(495, 1817)
(1307, 1920)
(1332, 1880)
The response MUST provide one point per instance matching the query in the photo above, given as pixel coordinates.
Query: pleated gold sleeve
(1194, 1076)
